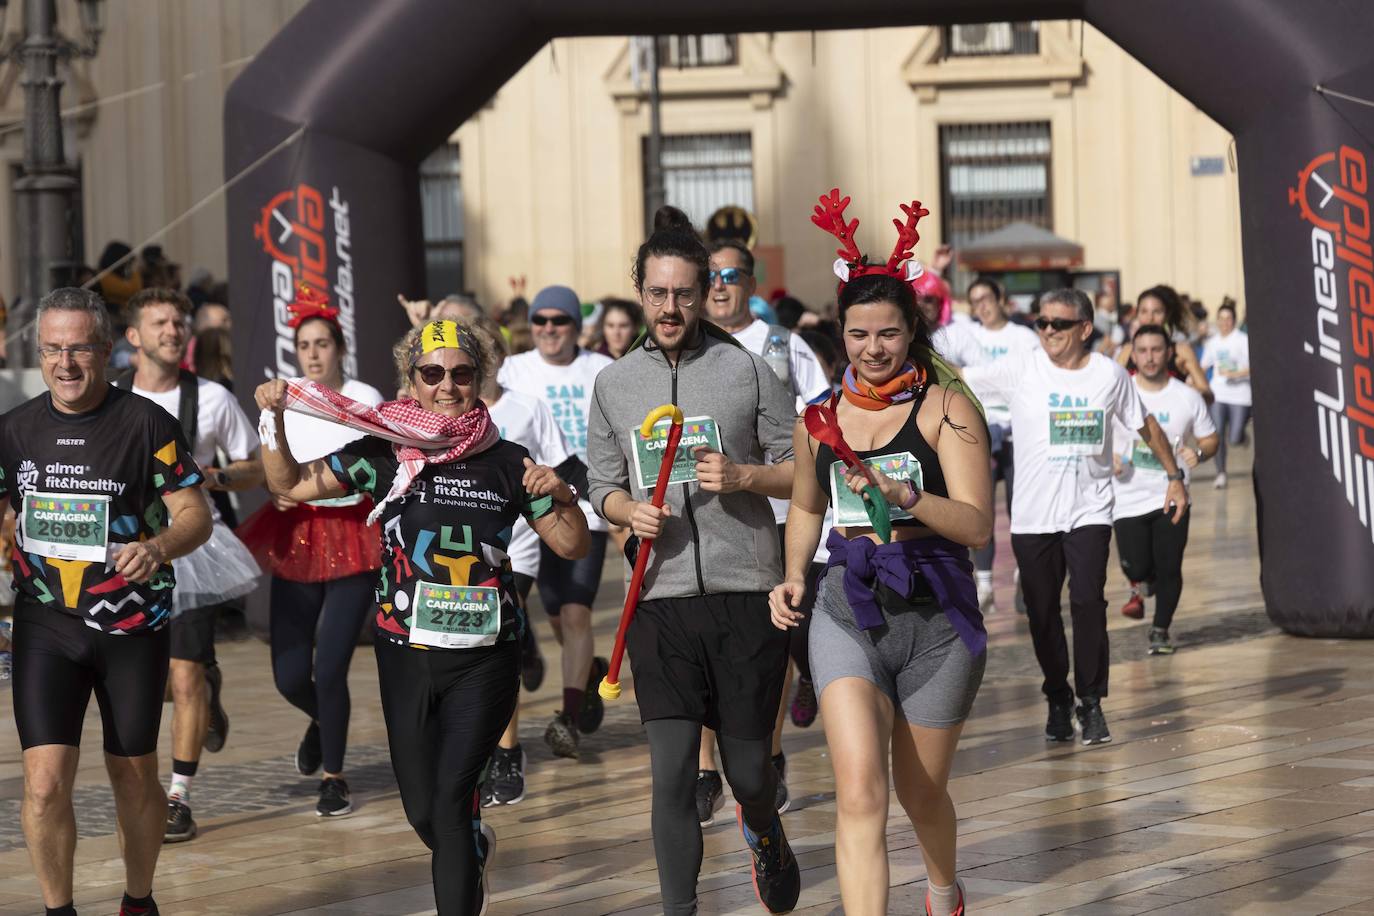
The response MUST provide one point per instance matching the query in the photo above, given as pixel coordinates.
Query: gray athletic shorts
(916, 658)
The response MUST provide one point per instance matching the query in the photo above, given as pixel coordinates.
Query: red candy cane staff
(610, 684)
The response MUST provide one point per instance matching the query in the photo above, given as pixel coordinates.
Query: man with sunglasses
(732, 285)
(1064, 400)
(560, 373)
(107, 495)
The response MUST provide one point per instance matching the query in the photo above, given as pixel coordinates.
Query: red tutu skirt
(313, 543)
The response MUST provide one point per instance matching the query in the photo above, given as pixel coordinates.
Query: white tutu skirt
(217, 571)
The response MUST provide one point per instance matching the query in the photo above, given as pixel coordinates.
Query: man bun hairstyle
(673, 237)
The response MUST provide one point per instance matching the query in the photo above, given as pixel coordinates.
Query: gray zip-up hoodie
(712, 542)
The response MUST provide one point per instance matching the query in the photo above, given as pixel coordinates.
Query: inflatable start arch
(356, 92)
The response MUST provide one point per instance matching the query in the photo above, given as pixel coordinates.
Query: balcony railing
(688, 51)
(992, 39)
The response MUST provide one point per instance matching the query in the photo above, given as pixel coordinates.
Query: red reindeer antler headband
(852, 263)
(310, 303)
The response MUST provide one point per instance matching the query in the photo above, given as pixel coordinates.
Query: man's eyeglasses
(1059, 324)
(82, 353)
(685, 297)
(433, 375)
(730, 276)
(558, 321)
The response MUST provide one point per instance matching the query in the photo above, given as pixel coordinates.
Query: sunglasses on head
(433, 375)
(730, 276)
(558, 321)
(1059, 324)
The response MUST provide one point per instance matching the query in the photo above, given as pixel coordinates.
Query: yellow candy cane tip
(658, 413)
(608, 690)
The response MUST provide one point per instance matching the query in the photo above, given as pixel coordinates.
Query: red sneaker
(958, 910)
(1134, 607)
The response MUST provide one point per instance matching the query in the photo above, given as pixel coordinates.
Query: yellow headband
(439, 335)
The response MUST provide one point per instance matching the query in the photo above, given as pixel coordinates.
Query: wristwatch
(575, 496)
(1176, 475)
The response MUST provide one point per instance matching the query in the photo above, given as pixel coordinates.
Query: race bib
(1143, 458)
(849, 506)
(696, 431)
(66, 527)
(1077, 431)
(454, 616)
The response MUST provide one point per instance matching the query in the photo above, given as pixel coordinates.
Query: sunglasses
(1059, 324)
(433, 375)
(558, 321)
(730, 276)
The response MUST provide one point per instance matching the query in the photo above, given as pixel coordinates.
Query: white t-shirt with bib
(528, 421)
(1230, 353)
(567, 390)
(1182, 414)
(1010, 341)
(1062, 420)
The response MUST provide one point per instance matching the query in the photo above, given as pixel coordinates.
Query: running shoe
(486, 852)
(593, 707)
(958, 910)
(781, 800)
(1159, 642)
(484, 796)
(334, 798)
(561, 736)
(531, 661)
(1092, 724)
(309, 756)
(507, 776)
(218, 731)
(804, 705)
(987, 602)
(1134, 607)
(710, 796)
(1220, 482)
(132, 909)
(1147, 588)
(777, 877)
(180, 825)
(1059, 724)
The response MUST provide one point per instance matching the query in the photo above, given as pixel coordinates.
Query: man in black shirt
(105, 490)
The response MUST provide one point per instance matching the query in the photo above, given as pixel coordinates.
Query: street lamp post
(45, 191)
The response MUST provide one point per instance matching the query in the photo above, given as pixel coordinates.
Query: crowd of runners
(823, 544)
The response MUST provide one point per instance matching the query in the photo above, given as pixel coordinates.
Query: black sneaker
(804, 706)
(334, 798)
(486, 852)
(309, 756)
(777, 877)
(781, 799)
(1092, 723)
(710, 796)
(561, 736)
(593, 707)
(1059, 724)
(531, 660)
(218, 731)
(180, 825)
(507, 777)
(132, 909)
(1159, 642)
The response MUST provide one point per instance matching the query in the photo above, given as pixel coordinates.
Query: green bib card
(849, 506)
(1143, 458)
(455, 616)
(1078, 430)
(696, 432)
(66, 527)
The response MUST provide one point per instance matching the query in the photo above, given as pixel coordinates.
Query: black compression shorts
(59, 661)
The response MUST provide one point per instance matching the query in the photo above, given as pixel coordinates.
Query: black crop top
(907, 441)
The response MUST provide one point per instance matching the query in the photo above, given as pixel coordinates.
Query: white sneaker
(1220, 482)
(987, 603)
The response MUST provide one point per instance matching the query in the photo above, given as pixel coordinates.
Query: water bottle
(778, 359)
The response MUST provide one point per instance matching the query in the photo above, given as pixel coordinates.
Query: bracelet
(915, 497)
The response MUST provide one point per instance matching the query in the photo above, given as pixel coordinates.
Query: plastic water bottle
(778, 359)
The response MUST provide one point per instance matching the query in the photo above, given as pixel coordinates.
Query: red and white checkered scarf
(419, 436)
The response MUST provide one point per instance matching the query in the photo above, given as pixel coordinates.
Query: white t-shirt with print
(1231, 353)
(528, 421)
(956, 343)
(567, 390)
(1010, 341)
(311, 437)
(1183, 415)
(1062, 420)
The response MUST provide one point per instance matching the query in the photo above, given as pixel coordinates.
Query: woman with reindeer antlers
(897, 642)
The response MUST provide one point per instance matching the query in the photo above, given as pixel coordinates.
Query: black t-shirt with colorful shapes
(445, 542)
(93, 481)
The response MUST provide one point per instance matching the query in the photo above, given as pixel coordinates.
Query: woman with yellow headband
(448, 491)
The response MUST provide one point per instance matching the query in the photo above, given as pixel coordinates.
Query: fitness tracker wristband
(910, 504)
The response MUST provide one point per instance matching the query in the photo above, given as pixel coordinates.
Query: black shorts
(58, 661)
(713, 659)
(570, 581)
(193, 635)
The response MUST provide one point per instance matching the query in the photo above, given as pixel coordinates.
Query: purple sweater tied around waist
(943, 563)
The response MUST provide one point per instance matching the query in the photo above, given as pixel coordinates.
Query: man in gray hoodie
(701, 644)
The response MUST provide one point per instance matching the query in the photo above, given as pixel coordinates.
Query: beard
(682, 332)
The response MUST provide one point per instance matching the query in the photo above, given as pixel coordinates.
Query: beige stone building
(1045, 122)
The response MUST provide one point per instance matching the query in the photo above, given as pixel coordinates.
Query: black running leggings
(1151, 548)
(445, 709)
(314, 629)
(673, 746)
